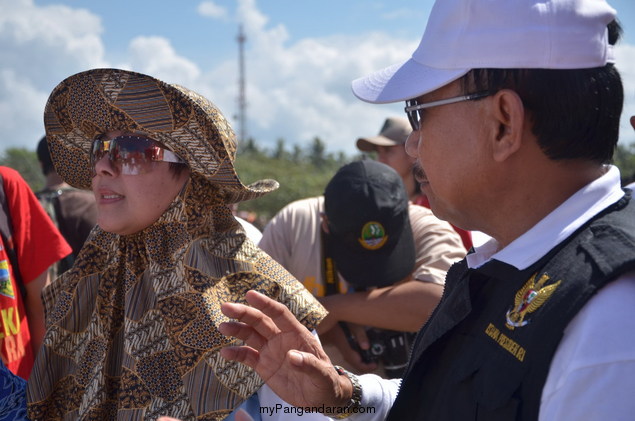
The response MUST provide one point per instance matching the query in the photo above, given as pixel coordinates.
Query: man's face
(450, 152)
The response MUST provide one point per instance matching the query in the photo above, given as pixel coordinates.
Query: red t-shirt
(466, 236)
(37, 244)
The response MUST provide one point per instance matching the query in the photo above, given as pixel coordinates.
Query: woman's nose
(104, 166)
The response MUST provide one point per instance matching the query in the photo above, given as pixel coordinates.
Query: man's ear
(508, 113)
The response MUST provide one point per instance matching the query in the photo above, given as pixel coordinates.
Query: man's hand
(283, 352)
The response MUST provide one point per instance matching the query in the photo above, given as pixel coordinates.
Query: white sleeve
(378, 395)
(592, 374)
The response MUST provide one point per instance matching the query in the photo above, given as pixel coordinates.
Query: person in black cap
(374, 258)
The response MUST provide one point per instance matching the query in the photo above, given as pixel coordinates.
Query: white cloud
(212, 10)
(155, 56)
(297, 89)
(39, 46)
(15, 91)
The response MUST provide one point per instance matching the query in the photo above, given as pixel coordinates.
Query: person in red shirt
(36, 244)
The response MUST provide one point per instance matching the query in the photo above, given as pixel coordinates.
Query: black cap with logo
(370, 236)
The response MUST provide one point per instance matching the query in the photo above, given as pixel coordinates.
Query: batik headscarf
(132, 327)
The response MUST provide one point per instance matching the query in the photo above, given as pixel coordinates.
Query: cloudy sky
(300, 58)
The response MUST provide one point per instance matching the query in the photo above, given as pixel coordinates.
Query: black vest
(486, 350)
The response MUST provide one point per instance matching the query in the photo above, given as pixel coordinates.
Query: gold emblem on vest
(528, 299)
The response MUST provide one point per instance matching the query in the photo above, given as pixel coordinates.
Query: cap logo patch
(373, 236)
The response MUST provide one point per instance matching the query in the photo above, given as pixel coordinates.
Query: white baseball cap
(507, 34)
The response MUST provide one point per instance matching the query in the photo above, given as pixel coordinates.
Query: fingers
(251, 317)
(243, 332)
(241, 354)
(359, 332)
(276, 311)
(266, 316)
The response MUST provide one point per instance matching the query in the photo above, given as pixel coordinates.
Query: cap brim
(403, 81)
(374, 268)
(368, 144)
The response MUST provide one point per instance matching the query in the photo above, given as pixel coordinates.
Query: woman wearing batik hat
(132, 327)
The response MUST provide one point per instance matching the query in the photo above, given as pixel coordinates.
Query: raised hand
(283, 352)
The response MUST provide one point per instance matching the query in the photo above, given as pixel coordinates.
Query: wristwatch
(356, 400)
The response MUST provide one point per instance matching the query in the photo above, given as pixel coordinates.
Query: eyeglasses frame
(412, 107)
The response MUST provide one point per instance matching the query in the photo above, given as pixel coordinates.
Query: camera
(389, 347)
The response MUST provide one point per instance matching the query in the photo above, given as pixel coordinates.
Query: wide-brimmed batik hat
(91, 103)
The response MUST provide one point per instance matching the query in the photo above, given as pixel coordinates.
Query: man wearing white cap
(515, 109)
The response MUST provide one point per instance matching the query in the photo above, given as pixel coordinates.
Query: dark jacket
(485, 352)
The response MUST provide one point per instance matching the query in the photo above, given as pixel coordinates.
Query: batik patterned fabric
(132, 327)
(94, 102)
(12, 396)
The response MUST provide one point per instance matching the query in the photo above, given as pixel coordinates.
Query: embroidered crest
(528, 299)
(373, 236)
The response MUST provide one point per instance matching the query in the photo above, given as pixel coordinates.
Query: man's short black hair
(44, 156)
(575, 113)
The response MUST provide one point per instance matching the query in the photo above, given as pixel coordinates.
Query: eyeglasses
(414, 109)
(131, 155)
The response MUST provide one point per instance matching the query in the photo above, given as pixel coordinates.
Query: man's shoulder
(418, 210)
(423, 217)
(306, 206)
(298, 215)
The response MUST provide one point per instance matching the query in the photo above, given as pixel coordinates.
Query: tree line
(301, 171)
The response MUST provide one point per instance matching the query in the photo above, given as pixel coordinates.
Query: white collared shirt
(592, 374)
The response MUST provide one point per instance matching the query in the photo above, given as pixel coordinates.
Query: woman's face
(127, 204)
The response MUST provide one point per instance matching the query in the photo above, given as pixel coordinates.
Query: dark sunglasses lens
(126, 148)
(129, 155)
(134, 155)
(97, 152)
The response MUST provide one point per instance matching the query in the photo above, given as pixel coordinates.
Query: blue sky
(300, 58)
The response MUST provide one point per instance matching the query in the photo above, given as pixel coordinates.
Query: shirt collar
(555, 227)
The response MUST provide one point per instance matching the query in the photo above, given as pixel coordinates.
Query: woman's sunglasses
(130, 154)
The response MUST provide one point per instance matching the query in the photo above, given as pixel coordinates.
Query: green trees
(26, 163)
(302, 171)
(624, 158)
